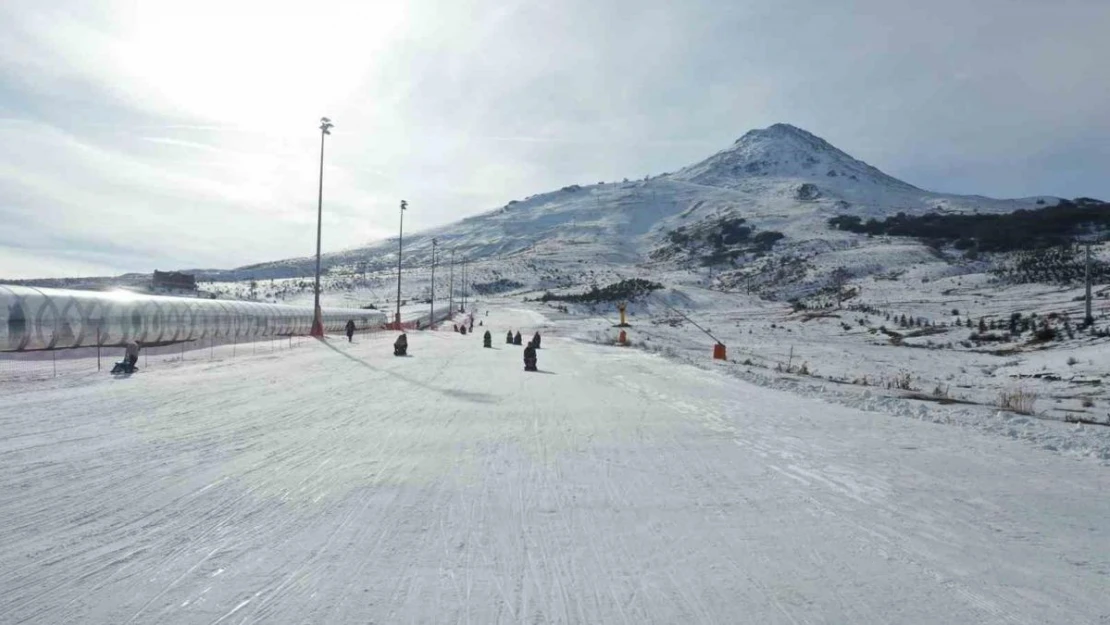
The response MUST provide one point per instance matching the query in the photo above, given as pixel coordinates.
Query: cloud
(176, 134)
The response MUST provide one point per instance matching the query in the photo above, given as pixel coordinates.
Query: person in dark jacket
(530, 358)
(509, 338)
(487, 339)
(130, 357)
(536, 340)
(350, 330)
(401, 345)
(518, 340)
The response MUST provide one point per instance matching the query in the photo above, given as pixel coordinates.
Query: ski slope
(338, 484)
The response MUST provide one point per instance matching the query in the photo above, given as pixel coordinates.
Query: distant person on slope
(536, 340)
(530, 358)
(509, 338)
(518, 340)
(350, 330)
(401, 345)
(131, 355)
(487, 339)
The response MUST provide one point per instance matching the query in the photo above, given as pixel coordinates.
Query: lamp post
(400, 237)
(464, 289)
(451, 287)
(317, 322)
(432, 315)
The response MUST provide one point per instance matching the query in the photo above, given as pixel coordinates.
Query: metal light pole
(317, 322)
(1088, 318)
(400, 236)
(432, 316)
(463, 285)
(451, 287)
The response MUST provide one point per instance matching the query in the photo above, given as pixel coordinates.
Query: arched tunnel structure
(42, 319)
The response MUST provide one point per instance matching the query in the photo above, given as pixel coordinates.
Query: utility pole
(400, 238)
(317, 320)
(432, 316)
(463, 285)
(1089, 319)
(451, 287)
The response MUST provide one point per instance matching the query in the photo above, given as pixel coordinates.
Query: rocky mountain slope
(779, 179)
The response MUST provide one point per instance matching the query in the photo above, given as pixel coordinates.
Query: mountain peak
(776, 130)
(783, 151)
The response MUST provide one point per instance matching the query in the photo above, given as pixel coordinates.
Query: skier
(530, 358)
(350, 330)
(509, 338)
(536, 340)
(517, 340)
(401, 346)
(487, 339)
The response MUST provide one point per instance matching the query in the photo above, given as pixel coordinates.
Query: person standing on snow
(509, 338)
(536, 340)
(518, 340)
(350, 330)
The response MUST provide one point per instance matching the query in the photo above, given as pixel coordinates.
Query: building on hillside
(173, 282)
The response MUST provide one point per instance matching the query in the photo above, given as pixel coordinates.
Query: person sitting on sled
(401, 345)
(131, 353)
(530, 357)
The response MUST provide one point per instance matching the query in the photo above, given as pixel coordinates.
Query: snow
(758, 178)
(336, 483)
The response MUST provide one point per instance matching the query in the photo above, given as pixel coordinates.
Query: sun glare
(257, 63)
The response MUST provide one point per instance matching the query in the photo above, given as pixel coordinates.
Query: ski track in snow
(338, 484)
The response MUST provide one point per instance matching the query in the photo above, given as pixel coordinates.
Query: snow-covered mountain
(783, 151)
(780, 179)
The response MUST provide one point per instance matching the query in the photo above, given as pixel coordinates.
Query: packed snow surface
(336, 483)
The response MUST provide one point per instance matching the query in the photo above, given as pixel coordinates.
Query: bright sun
(256, 62)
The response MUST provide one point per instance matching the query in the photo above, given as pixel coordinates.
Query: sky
(170, 135)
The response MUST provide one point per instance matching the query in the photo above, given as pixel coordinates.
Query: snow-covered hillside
(780, 179)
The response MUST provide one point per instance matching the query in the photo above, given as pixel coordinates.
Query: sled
(122, 367)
